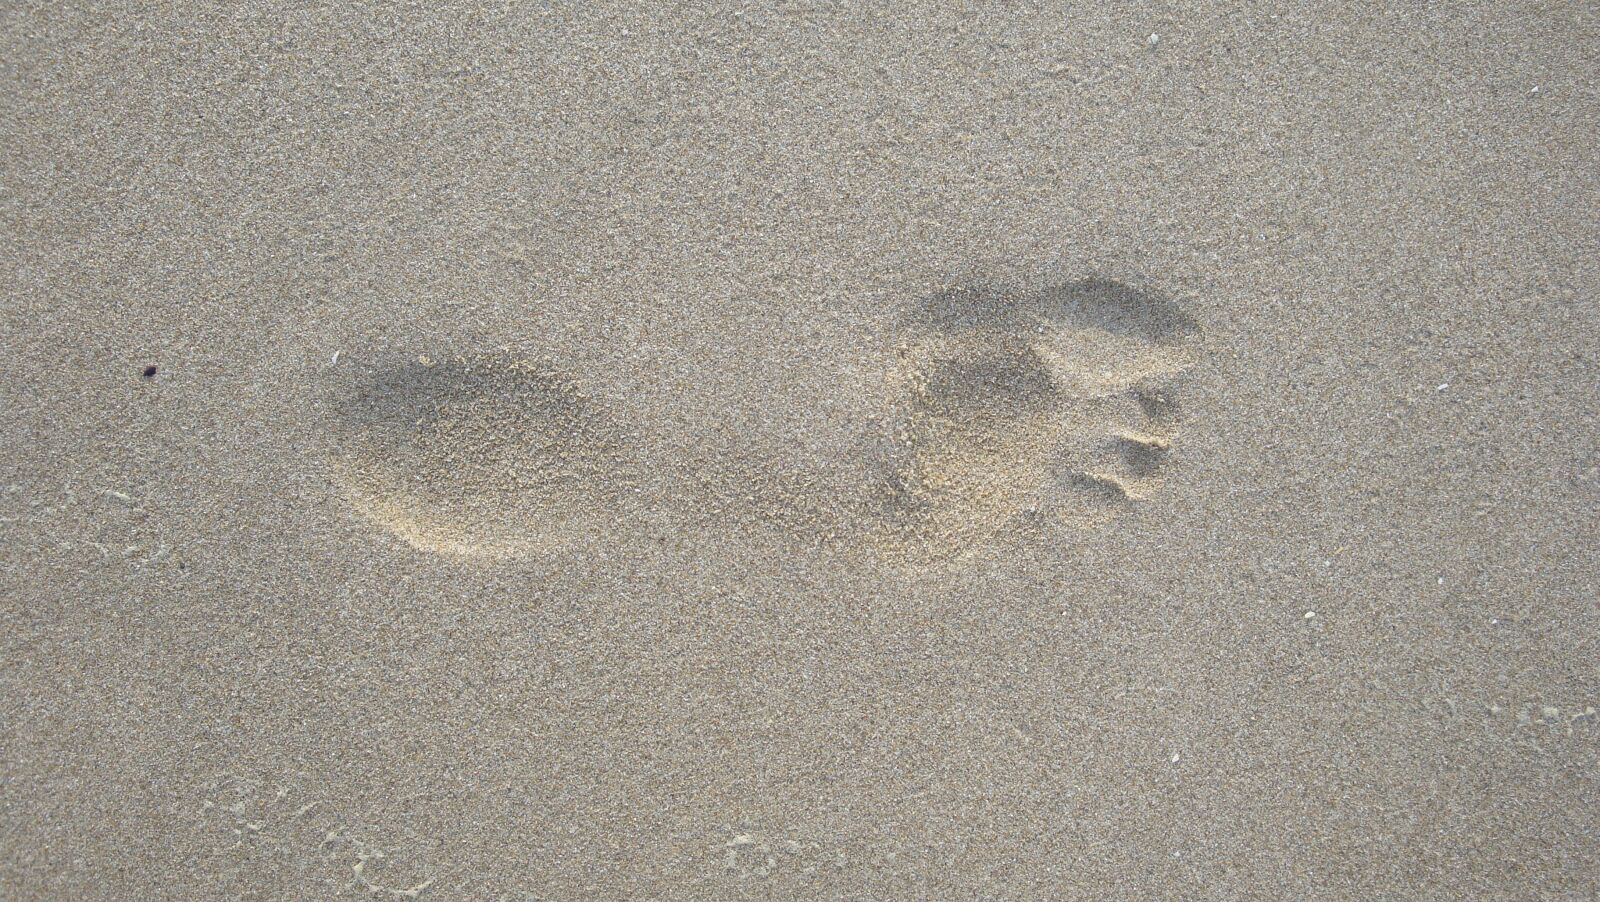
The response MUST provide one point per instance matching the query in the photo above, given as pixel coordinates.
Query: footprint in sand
(1050, 404)
(487, 455)
(1012, 407)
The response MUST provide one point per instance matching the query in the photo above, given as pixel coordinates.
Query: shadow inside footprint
(487, 455)
(1103, 304)
(1006, 380)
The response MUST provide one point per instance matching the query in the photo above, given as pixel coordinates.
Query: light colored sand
(482, 455)
(717, 555)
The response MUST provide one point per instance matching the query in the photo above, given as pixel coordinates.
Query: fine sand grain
(800, 451)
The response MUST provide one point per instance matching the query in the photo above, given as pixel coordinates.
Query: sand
(498, 451)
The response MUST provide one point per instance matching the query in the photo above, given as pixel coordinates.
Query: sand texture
(800, 451)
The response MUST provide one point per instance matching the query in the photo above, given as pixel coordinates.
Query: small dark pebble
(149, 372)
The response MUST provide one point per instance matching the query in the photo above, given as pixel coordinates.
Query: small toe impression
(1103, 486)
(1142, 454)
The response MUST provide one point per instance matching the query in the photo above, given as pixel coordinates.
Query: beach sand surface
(558, 451)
